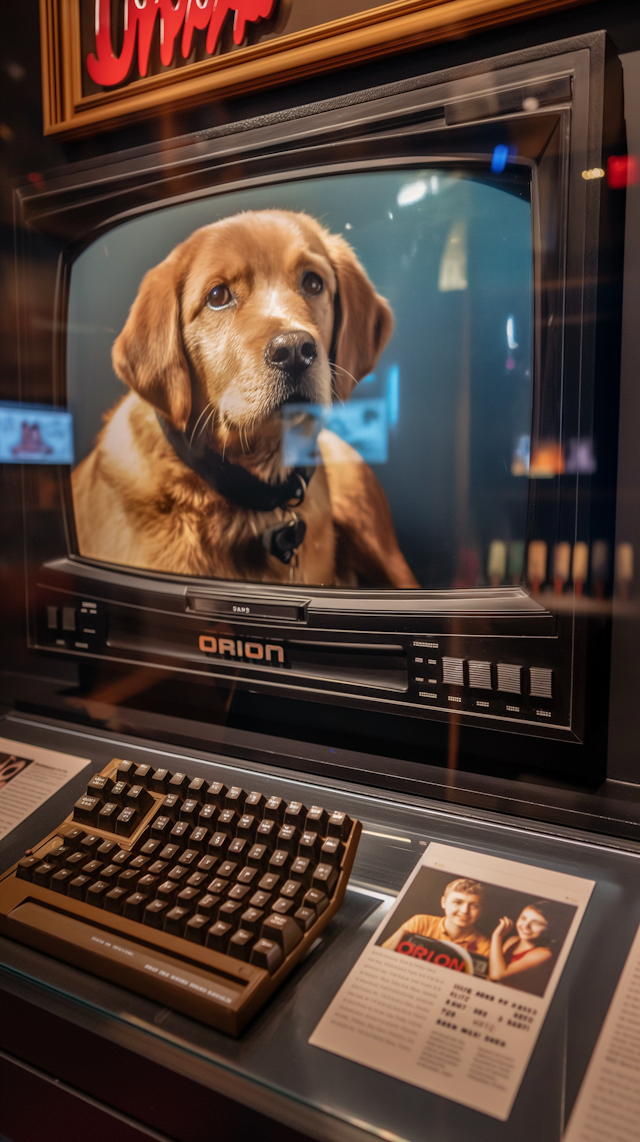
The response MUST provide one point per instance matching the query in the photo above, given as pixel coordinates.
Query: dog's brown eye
(312, 283)
(218, 297)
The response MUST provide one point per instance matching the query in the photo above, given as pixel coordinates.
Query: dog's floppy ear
(148, 355)
(365, 320)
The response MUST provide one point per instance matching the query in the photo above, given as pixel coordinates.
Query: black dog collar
(240, 486)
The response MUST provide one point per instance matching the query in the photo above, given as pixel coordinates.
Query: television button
(541, 682)
(453, 671)
(52, 618)
(509, 678)
(480, 675)
(69, 618)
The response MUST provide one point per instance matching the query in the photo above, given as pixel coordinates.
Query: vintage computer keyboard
(200, 896)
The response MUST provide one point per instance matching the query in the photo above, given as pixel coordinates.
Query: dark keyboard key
(108, 816)
(97, 892)
(218, 845)
(316, 820)
(197, 879)
(267, 833)
(238, 850)
(331, 852)
(118, 792)
(187, 898)
(247, 826)
(139, 799)
(89, 843)
(78, 887)
(226, 822)
(317, 900)
(261, 900)
(258, 856)
(76, 860)
(251, 919)
(234, 799)
(216, 794)
(42, 872)
(178, 831)
(207, 816)
(167, 889)
(218, 936)
(60, 879)
(58, 855)
(190, 811)
(115, 899)
(170, 807)
(111, 873)
(178, 872)
(302, 870)
(247, 875)
(197, 788)
(208, 906)
(292, 890)
(90, 868)
(227, 869)
(279, 861)
(239, 892)
(159, 781)
(139, 862)
(310, 845)
(196, 928)
(125, 771)
(72, 836)
(295, 814)
(199, 839)
(169, 852)
(283, 930)
(26, 866)
(324, 877)
(284, 907)
(134, 905)
(126, 822)
(288, 839)
(231, 911)
(339, 826)
(270, 882)
(175, 920)
(158, 867)
(146, 883)
(86, 809)
(240, 944)
(178, 783)
(103, 851)
(142, 775)
(122, 857)
(149, 848)
(155, 913)
(274, 809)
(255, 804)
(267, 954)
(128, 878)
(218, 886)
(188, 857)
(305, 917)
(99, 787)
(206, 863)
(161, 827)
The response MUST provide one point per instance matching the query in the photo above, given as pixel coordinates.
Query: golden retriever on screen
(249, 313)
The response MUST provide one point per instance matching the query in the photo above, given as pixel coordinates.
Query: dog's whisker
(205, 409)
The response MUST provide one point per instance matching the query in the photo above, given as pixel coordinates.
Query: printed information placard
(29, 776)
(451, 992)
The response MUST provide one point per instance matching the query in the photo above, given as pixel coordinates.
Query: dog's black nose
(292, 352)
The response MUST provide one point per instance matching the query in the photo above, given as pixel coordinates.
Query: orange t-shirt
(433, 926)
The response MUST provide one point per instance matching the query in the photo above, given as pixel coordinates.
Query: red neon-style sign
(107, 69)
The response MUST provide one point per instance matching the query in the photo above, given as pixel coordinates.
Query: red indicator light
(623, 170)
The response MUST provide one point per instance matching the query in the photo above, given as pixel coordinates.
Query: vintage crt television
(477, 202)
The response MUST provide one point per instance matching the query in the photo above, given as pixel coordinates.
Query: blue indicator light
(393, 395)
(499, 159)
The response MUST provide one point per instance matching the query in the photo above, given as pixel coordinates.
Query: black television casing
(375, 651)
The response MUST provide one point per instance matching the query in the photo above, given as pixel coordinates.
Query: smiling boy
(462, 905)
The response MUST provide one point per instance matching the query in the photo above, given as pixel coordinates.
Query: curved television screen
(331, 384)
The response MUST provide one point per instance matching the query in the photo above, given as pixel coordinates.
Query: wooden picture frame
(388, 29)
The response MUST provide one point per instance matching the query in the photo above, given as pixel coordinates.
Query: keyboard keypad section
(237, 873)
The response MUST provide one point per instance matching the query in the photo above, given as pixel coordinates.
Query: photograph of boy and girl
(517, 935)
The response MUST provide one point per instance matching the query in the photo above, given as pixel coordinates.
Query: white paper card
(607, 1108)
(425, 1008)
(30, 775)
